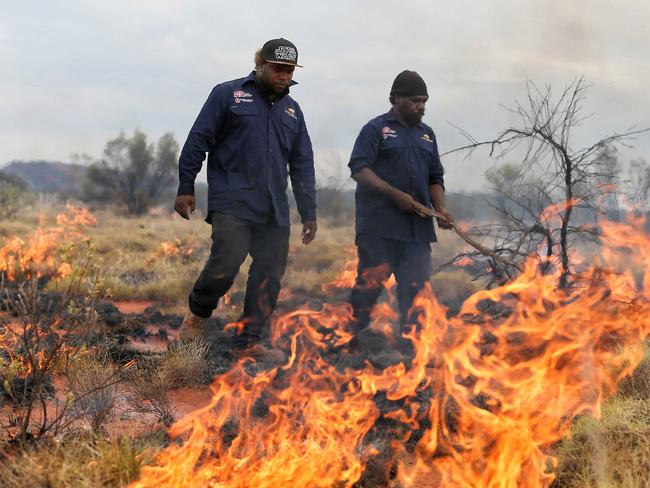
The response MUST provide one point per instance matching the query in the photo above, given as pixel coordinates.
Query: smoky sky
(75, 73)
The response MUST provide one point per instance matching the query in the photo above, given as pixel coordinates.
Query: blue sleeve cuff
(185, 189)
(356, 166)
(437, 181)
(308, 216)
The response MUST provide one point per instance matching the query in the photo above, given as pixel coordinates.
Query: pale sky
(75, 73)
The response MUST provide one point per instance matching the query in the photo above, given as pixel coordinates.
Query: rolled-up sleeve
(201, 140)
(365, 149)
(437, 171)
(302, 174)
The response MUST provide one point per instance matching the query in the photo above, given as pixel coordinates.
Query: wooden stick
(464, 236)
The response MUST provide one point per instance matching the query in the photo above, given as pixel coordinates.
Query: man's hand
(448, 221)
(185, 205)
(308, 231)
(406, 203)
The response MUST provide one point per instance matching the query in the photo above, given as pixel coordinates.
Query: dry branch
(464, 236)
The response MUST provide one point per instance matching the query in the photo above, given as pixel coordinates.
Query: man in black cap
(255, 136)
(397, 168)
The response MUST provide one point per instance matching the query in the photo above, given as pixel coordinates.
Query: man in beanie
(396, 165)
(255, 136)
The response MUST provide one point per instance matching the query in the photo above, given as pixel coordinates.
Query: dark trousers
(232, 240)
(379, 257)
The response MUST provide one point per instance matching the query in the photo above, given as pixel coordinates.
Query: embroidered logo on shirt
(242, 96)
(291, 113)
(426, 138)
(387, 132)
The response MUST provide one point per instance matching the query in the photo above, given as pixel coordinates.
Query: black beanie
(409, 84)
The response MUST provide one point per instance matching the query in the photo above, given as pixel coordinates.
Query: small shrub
(149, 393)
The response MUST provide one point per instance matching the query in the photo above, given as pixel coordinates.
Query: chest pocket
(390, 146)
(243, 109)
(426, 148)
(242, 120)
(287, 132)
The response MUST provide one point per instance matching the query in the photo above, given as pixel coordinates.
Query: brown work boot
(191, 327)
(262, 354)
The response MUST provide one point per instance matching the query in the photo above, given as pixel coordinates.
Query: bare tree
(543, 199)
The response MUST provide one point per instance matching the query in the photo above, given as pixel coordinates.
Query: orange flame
(505, 387)
(39, 255)
(175, 249)
(348, 275)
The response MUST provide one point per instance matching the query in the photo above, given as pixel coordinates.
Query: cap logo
(285, 53)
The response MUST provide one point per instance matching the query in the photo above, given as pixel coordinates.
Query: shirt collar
(390, 116)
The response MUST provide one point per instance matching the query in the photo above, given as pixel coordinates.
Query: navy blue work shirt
(252, 146)
(406, 158)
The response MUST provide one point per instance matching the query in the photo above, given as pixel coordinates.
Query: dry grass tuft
(453, 286)
(151, 381)
(185, 363)
(614, 451)
(79, 462)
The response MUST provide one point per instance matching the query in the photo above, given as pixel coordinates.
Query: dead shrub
(93, 383)
(149, 392)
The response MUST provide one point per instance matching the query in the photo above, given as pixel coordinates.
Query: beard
(414, 118)
(271, 88)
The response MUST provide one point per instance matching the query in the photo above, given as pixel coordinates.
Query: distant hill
(49, 176)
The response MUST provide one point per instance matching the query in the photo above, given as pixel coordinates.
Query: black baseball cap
(280, 51)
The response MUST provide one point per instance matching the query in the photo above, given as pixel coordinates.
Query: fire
(40, 254)
(348, 276)
(43, 253)
(507, 376)
(75, 218)
(176, 248)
